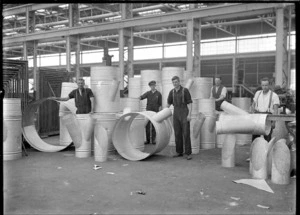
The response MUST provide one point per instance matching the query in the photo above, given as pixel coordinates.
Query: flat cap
(152, 83)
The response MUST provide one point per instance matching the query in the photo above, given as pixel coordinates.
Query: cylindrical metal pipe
(12, 129)
(244, 103)
(228, 151)
(123, 144)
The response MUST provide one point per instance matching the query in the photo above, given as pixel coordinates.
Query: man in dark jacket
(154, 101)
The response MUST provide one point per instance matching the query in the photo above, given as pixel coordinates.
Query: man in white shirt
(265, 101)
(218, 92)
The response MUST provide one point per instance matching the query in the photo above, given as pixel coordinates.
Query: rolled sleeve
(72, 94)
(187, 96)
(170, 98)
(90, 93)
(144, 96)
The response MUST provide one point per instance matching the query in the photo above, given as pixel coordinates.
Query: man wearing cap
(180, 98)
(218, 92)
(154, 101)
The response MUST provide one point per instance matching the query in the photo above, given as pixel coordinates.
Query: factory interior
(80, 132)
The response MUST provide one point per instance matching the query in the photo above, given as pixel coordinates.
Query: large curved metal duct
(29, 130)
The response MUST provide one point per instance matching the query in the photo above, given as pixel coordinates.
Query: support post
(281, 65)
(189, 48)
(197, 48)
(35, 70)
(77, 64)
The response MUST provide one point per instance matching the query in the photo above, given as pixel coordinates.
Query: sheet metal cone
(259, 159)
(281, 161)
(269, 155)
(198, 124)
(228, 151)
(189, 83)
(74, 130)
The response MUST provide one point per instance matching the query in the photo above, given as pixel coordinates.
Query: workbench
(282, 117)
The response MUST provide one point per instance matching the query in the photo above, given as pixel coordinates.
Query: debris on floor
(201, 192)
(233, 204)
(125, 164)
(257, 183)
(235, 198)
(262, 206)
(140, 192)
(110, 173)
(96, 167)
(59, 167)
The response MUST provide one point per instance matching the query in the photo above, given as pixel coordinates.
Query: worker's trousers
(150, 132)
(182, 131)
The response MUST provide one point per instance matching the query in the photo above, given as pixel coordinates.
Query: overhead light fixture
(150, 12)
(10, 17)
(64, 6)
(113, 18)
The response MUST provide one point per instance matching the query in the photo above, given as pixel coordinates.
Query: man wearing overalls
(218, 92)
(154, 101)
(265, 101)
(181, 99)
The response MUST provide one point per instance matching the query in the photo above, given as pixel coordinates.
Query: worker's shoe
(153, 143)
(146, 142)
(177, 155)
(189, 157)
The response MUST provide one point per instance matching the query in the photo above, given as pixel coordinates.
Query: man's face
(176, 83)
(218, 81)
(153, 86)
(265, 86)
(80, 84)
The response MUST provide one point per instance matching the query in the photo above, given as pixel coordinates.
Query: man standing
(265, 101)
(83, 98)
(218, 92)
(181, 99)
(154, 101)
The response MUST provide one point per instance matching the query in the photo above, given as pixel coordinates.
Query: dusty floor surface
(60, 183)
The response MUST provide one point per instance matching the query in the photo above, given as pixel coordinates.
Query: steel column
(35, 70)
(197, 43)
(189, 48)
(281, 65)
(77, 64)
(68, 54)
(121, 57)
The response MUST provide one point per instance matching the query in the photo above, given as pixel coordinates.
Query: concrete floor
(60, 183)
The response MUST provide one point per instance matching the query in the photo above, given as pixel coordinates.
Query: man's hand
(188, 118)
(273, 123)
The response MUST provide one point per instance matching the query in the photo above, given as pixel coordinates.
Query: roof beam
(23, 8)
(229, 10)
